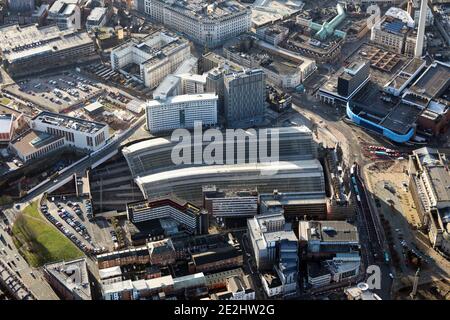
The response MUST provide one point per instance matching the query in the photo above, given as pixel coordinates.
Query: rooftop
(151, 49)
(328, 231)
(63, 7)
(110, 272)
(73, 275)
(272, 279)
(6, 122)
(440, 180)
(401, 118)
(185, 98)
(23, 42)
(97, 13)
(434, 81)
(204, 10)
(216, 254)
(60, 120)
(265, 169)
(31, 141)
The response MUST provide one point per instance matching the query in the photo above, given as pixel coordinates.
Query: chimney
(410, 8)
(418, 52)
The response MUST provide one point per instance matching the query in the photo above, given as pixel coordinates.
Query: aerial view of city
(212, 150)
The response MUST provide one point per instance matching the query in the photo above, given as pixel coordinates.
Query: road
(372, 240)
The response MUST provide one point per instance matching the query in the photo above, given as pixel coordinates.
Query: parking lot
(73, 217)
(56, 92)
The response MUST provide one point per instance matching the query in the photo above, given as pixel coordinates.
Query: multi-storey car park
(207, 23)
(30, 50)
(154, 155)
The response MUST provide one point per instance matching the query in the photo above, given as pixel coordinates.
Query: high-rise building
(244, 96)
(181, 111)
(352, 77)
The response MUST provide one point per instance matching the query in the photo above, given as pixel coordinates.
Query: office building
(187, 215)
(181, 111)
(275, 246)
(352, 77)
(244, 96)
(30, 50)
(79, 133)
(97, 18)
(296, 206)
(429, 181)
(156, 56)
(230, 203)
(66, 14)
(69, 279)
(342, 267)
(20, 5)
(130, 256)
(342, 86)
(327, 238)
(187, 183)
(209, 24)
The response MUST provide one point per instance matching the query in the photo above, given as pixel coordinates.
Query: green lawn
(38, 241)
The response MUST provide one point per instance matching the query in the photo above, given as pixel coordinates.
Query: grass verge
(38, 241)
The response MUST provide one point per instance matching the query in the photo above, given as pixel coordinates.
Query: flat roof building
(181, 112)
(157, 55)
(70, 279)
(429, 181)
(329, 237)
(29, 49)
(82, 134)
(342, 86)
(97, 18)
(33, 145)
(187, 215)
(66, 14)
(209, 24)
